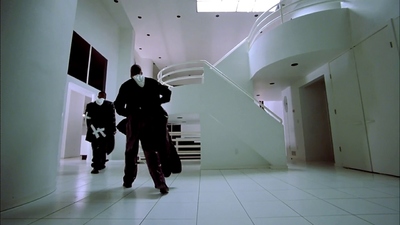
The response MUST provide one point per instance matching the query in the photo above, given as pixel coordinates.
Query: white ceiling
(192, 36)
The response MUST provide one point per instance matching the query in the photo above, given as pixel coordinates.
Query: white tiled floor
(302, 195)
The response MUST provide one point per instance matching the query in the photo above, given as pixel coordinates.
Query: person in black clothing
(100, 121)
(139, 100)
(170, 161)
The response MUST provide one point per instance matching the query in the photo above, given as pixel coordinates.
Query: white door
(378, 69)
(349, 117)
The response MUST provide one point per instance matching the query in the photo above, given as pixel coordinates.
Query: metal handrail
(255, 30)
(185, 78)
(220, 73)
(276, 117)
(160, 74)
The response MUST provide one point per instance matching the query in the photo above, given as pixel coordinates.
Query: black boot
(131, 168)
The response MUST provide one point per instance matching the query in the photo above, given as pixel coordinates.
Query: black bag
(110, 144)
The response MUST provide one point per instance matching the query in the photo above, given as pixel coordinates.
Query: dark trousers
(99, 148)
(131, 161)
(151, 133)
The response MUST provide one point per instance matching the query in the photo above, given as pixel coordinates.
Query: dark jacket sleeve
(165, 94)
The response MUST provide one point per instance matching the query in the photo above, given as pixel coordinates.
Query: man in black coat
(100, 121)
(139, 100)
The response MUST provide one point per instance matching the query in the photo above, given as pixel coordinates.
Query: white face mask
(139, 79)
(100, 101)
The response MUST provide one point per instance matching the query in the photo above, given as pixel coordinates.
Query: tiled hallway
(304, 194)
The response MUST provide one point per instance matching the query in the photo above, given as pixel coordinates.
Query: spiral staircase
(237, 131)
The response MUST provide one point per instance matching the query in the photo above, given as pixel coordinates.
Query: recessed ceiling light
(294, 64)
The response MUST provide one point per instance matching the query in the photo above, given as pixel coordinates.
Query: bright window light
(236, 5)
(245, 6)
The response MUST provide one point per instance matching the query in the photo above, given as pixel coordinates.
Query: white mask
(139, 79)
(100, 101)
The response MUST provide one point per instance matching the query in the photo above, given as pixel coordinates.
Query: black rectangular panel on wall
(97, 70)
(79, 57)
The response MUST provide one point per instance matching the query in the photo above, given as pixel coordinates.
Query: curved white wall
(322, 31)
(35, 45)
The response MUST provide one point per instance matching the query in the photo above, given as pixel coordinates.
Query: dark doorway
(316, 123)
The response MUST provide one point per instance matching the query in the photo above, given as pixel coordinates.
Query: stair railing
(266, 20)
(170, 69)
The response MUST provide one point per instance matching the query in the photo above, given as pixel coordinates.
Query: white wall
(235, 65)
(222, 148)
(125, 61)
(146, 65)
(35, 44)
(379, 88)
(335, 96)
(367, 16)
(396, 27)
(75, 120)
(276, 107)
(191, 128)
(73, 110)
(98, 27)
(289, 126)
(94, 24)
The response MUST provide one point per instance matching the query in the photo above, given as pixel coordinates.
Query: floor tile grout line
(111, 205)
(240, 202)
(280, 199)
(198, 197)
(156, 201)
(310, 194)
(44, 217)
